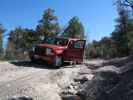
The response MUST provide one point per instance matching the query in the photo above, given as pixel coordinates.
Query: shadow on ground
(32, 64)
(36, 64)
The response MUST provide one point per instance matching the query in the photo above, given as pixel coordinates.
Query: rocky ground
(38, 81)
(93, 80)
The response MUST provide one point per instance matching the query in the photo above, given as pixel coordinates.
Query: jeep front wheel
(58, 61)
(33, 60)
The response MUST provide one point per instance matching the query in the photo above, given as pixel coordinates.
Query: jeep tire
(58, 61)
(33, 60)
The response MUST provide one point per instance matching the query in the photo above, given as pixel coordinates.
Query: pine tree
(20, 41)
(120, 35)
(2, 30)
(75, 29)
(48, 25)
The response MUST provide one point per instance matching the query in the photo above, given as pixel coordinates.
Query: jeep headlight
(49, 51)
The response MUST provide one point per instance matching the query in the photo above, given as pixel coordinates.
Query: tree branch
(128, 1)
(126, 4)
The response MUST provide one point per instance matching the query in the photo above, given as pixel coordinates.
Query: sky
(97, 16)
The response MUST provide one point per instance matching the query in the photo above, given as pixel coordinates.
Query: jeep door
(75, 51)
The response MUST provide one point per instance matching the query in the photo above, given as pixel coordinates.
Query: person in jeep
(57, 50)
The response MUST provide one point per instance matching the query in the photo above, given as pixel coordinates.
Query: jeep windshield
(56, 41)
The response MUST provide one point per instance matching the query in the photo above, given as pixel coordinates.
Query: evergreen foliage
(75, 29)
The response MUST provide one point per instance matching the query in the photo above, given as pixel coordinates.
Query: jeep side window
(79, 44)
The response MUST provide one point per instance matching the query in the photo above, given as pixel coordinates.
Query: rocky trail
(93, 80)
(36, 81)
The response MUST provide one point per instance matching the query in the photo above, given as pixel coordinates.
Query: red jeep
(57, 50)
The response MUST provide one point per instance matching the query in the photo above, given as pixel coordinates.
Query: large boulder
(98, 87)
(110, 83)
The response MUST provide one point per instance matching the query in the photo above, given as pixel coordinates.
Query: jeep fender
(58, 51)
